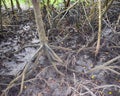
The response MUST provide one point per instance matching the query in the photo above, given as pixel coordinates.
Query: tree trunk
(12, 5)
(52, 56)
(18, 5)
(1, 15)
(4, 3)
(39, 22)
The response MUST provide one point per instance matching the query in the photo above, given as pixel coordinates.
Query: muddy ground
(74, 45)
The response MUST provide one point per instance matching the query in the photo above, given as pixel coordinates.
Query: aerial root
(53, 58)
(29, 67)
(107, 66)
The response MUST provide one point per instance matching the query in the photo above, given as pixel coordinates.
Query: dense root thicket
(72, 34)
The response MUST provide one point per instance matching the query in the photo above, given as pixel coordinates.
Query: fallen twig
(105, 66)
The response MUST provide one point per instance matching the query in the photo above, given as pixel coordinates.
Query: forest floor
(76, 47)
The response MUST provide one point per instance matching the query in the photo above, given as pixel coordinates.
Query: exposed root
(89, 88)
(106, 66)
(51, 54)
(29, 67)
(99, 28)
(22, 76)
(66, 11)
(37, 45)
(53, 58)
(22, 81)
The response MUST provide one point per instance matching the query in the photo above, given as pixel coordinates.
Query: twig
(32, 45)
(80, 49)
(92, 94)
(117, 23)
(111, 61)
(60, 48)
(23, 78)
(113, 71)
(66, 11)
(87, 18)
(26, 69)
(114, 47)
(105, 66)
(106, 86)
(37, 45)
(76, 91)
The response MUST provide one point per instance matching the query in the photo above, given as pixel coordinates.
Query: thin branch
(105, 66)
(99, 29)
